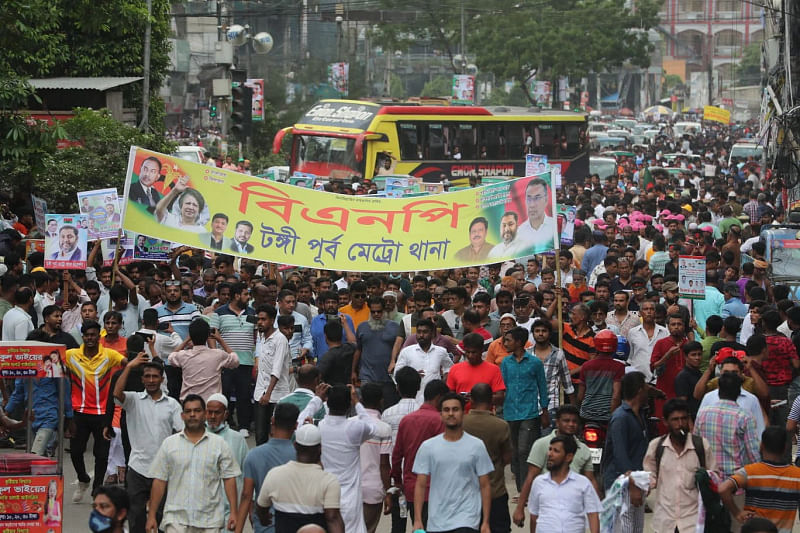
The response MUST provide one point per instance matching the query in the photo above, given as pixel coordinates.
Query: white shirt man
(17, 324)
(431, 364)
(642, 347)
(562, 506)
(341, 455)
(274, 359)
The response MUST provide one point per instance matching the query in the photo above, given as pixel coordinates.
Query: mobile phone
(163, 326)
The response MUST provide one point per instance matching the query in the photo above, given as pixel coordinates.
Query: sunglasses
(172, 283)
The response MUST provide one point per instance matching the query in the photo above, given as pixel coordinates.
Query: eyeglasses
(172, 283)
(538, 198)
(358, 295)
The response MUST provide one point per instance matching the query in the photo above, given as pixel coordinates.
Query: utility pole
(146, 82)
(463, 38)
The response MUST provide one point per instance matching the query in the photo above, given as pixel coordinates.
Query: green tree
(50, 38)
(100, 160)
(748, 71)
(438, 86)
(512, 37)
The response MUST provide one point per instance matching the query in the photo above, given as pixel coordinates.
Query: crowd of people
(407, 394)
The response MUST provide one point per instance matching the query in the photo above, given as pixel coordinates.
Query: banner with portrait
(101, 209)
(108, 247)
(224, 211)
(65, 242)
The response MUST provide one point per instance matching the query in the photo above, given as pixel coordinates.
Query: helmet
(605, 341)
(623, 349)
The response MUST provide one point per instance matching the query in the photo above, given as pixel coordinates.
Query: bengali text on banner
(227, 212)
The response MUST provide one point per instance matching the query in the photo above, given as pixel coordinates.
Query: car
(744, 150)
(686, 128)
(599, 144)
(189, 153)
(603, 166)
(626, 123)
(620, 133)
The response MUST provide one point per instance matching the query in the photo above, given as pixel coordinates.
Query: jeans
(138, 487)
(86, 425)
(236, 383)
(523, 435)
(41, 440)
(263, 421)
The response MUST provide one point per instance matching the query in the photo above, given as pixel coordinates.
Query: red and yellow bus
(342, 139)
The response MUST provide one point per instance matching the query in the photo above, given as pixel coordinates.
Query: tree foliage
(748, 71)
(100, 160)
(51, 38)
(511, 37)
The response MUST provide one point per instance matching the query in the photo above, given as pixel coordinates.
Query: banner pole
(116, 256)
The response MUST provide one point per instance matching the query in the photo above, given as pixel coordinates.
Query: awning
(95, 84)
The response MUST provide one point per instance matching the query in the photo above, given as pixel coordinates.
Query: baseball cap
(308, 435)
(669, 286)
(731, 194)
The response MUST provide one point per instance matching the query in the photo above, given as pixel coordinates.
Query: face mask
(99, 522)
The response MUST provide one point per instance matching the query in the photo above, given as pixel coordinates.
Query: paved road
(76, 516)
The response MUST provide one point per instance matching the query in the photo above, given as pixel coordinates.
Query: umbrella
(658, 109)
(626, 112)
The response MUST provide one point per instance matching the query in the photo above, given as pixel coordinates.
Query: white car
(745, 150)
(190, 153)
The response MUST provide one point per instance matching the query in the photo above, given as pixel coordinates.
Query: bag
(699, 449)
(718, 519)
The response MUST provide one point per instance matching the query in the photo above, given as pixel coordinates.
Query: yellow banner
(226, 212)
(717, 114)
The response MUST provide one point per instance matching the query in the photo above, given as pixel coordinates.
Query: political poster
(555, 174)
(338, 76)
(566, 224)
(151, 249)
(463, 89)
(271, 221)
(300, 179)
(535, 164)
(65, 246)
(33, 504)
(102, 212)
(34, 245)
(257, 85)
(39, 210)
(692, 277)
(108, 247)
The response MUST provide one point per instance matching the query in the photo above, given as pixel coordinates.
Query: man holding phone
(151, 417)
(166, 340)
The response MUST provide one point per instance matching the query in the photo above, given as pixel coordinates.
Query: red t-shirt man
(465, 375)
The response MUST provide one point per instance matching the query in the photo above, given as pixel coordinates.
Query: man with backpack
(673, 460)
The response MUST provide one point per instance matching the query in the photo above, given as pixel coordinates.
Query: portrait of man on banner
(538, 227)
(67, 248)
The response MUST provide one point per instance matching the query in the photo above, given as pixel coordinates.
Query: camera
(332, 318)
(163, 326)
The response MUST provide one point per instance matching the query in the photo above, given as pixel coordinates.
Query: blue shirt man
(733, 305)
(594, 255)
(711, 304)
(320, 347)
(627, 438)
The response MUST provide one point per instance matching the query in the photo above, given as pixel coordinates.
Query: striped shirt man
(179, 318)
(237, 331)
(771, 491)
(577, 349)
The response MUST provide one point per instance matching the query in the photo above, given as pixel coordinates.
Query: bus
(343, 139)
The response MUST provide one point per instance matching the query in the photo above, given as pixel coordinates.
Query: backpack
(699, 449)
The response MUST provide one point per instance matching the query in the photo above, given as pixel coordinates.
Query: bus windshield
(326, 156)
